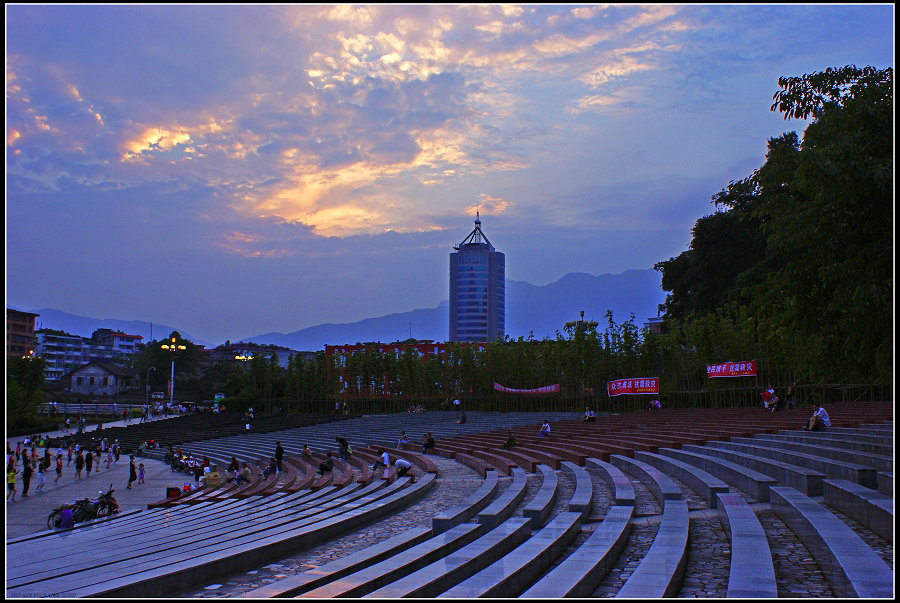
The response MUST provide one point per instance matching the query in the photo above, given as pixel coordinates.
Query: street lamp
(152, 368)
(172, 347)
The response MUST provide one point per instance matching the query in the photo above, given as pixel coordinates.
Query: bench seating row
(198, 554)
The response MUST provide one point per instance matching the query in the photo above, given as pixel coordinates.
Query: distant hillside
(84, 326)
(529, 309)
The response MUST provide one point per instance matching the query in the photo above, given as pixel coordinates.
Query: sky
(238, 170)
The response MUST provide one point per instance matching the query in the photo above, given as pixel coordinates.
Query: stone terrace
(349, 527)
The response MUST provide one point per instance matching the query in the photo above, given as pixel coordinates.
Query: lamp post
(172, 347)
(152, 368)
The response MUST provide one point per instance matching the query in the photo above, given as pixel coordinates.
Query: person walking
(59, 467)
(26, 474)
(279, 454)
(141, 473)
(89, 462)
(41, 467)
(11, 481)
(132, 472)
(79, 464)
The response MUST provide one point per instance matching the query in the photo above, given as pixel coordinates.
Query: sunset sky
(236, 170)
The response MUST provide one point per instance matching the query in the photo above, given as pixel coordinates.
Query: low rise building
(99, 379)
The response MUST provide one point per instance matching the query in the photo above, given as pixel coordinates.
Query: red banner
(648, 385)
(732, 369)
(547, 389)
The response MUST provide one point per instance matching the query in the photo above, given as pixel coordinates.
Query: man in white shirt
(819, 421)
(402, 466)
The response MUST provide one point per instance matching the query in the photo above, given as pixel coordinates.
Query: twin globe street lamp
(172, 347)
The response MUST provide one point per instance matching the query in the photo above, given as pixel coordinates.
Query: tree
(24, 398)
(800, 253)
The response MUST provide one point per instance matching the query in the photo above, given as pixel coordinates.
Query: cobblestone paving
(881, 546)
(709, 551)
(456, 481)
(643, 532)
(796, 572)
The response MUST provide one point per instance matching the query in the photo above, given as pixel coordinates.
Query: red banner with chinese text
(732, 369)
(648, 385)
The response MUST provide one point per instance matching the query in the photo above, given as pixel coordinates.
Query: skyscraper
(477, 289)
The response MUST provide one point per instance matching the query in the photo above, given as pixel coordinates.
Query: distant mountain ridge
(84, 326)
(539, 310)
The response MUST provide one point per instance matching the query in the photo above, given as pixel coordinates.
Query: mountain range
(530, 309)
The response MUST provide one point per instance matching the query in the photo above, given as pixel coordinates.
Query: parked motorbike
(103, 506)
(54, 520)
(85, 509)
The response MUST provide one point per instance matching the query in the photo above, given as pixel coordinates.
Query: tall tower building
(477, 289)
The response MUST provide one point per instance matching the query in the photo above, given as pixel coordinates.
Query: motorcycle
(85, 509)
(54, 520)
(104, 506)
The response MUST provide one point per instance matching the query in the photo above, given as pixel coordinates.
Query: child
(41, 468)
(11, 481)
(141, 473)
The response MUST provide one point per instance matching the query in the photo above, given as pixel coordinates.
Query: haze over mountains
(539, 310)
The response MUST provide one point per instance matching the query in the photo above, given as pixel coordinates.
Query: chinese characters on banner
(732, 369)
(649, 385)
(547, 389)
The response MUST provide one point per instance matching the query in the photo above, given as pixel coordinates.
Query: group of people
(402, 465)
(37, 467)
(772, 402)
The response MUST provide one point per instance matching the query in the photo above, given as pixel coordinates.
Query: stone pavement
(706, 575)
(29, 515)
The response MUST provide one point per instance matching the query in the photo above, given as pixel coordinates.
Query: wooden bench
(559, 452)
(502, 464)
(551, 460)
(706, 485)
(880, 462)
(374, 576)
(850, 565)
(510, 575)
(538, 509)
(469, 507)
(192, 531)
(805, 480)
(623, 491)
(334, 570)
(658, 483)
(751, 572)
(528, 463)
(866, 506)
(482, 466)
(201, 563)
(582, 572)
(747, 480)
(502, 507)
(854, 472)
(444, 573)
